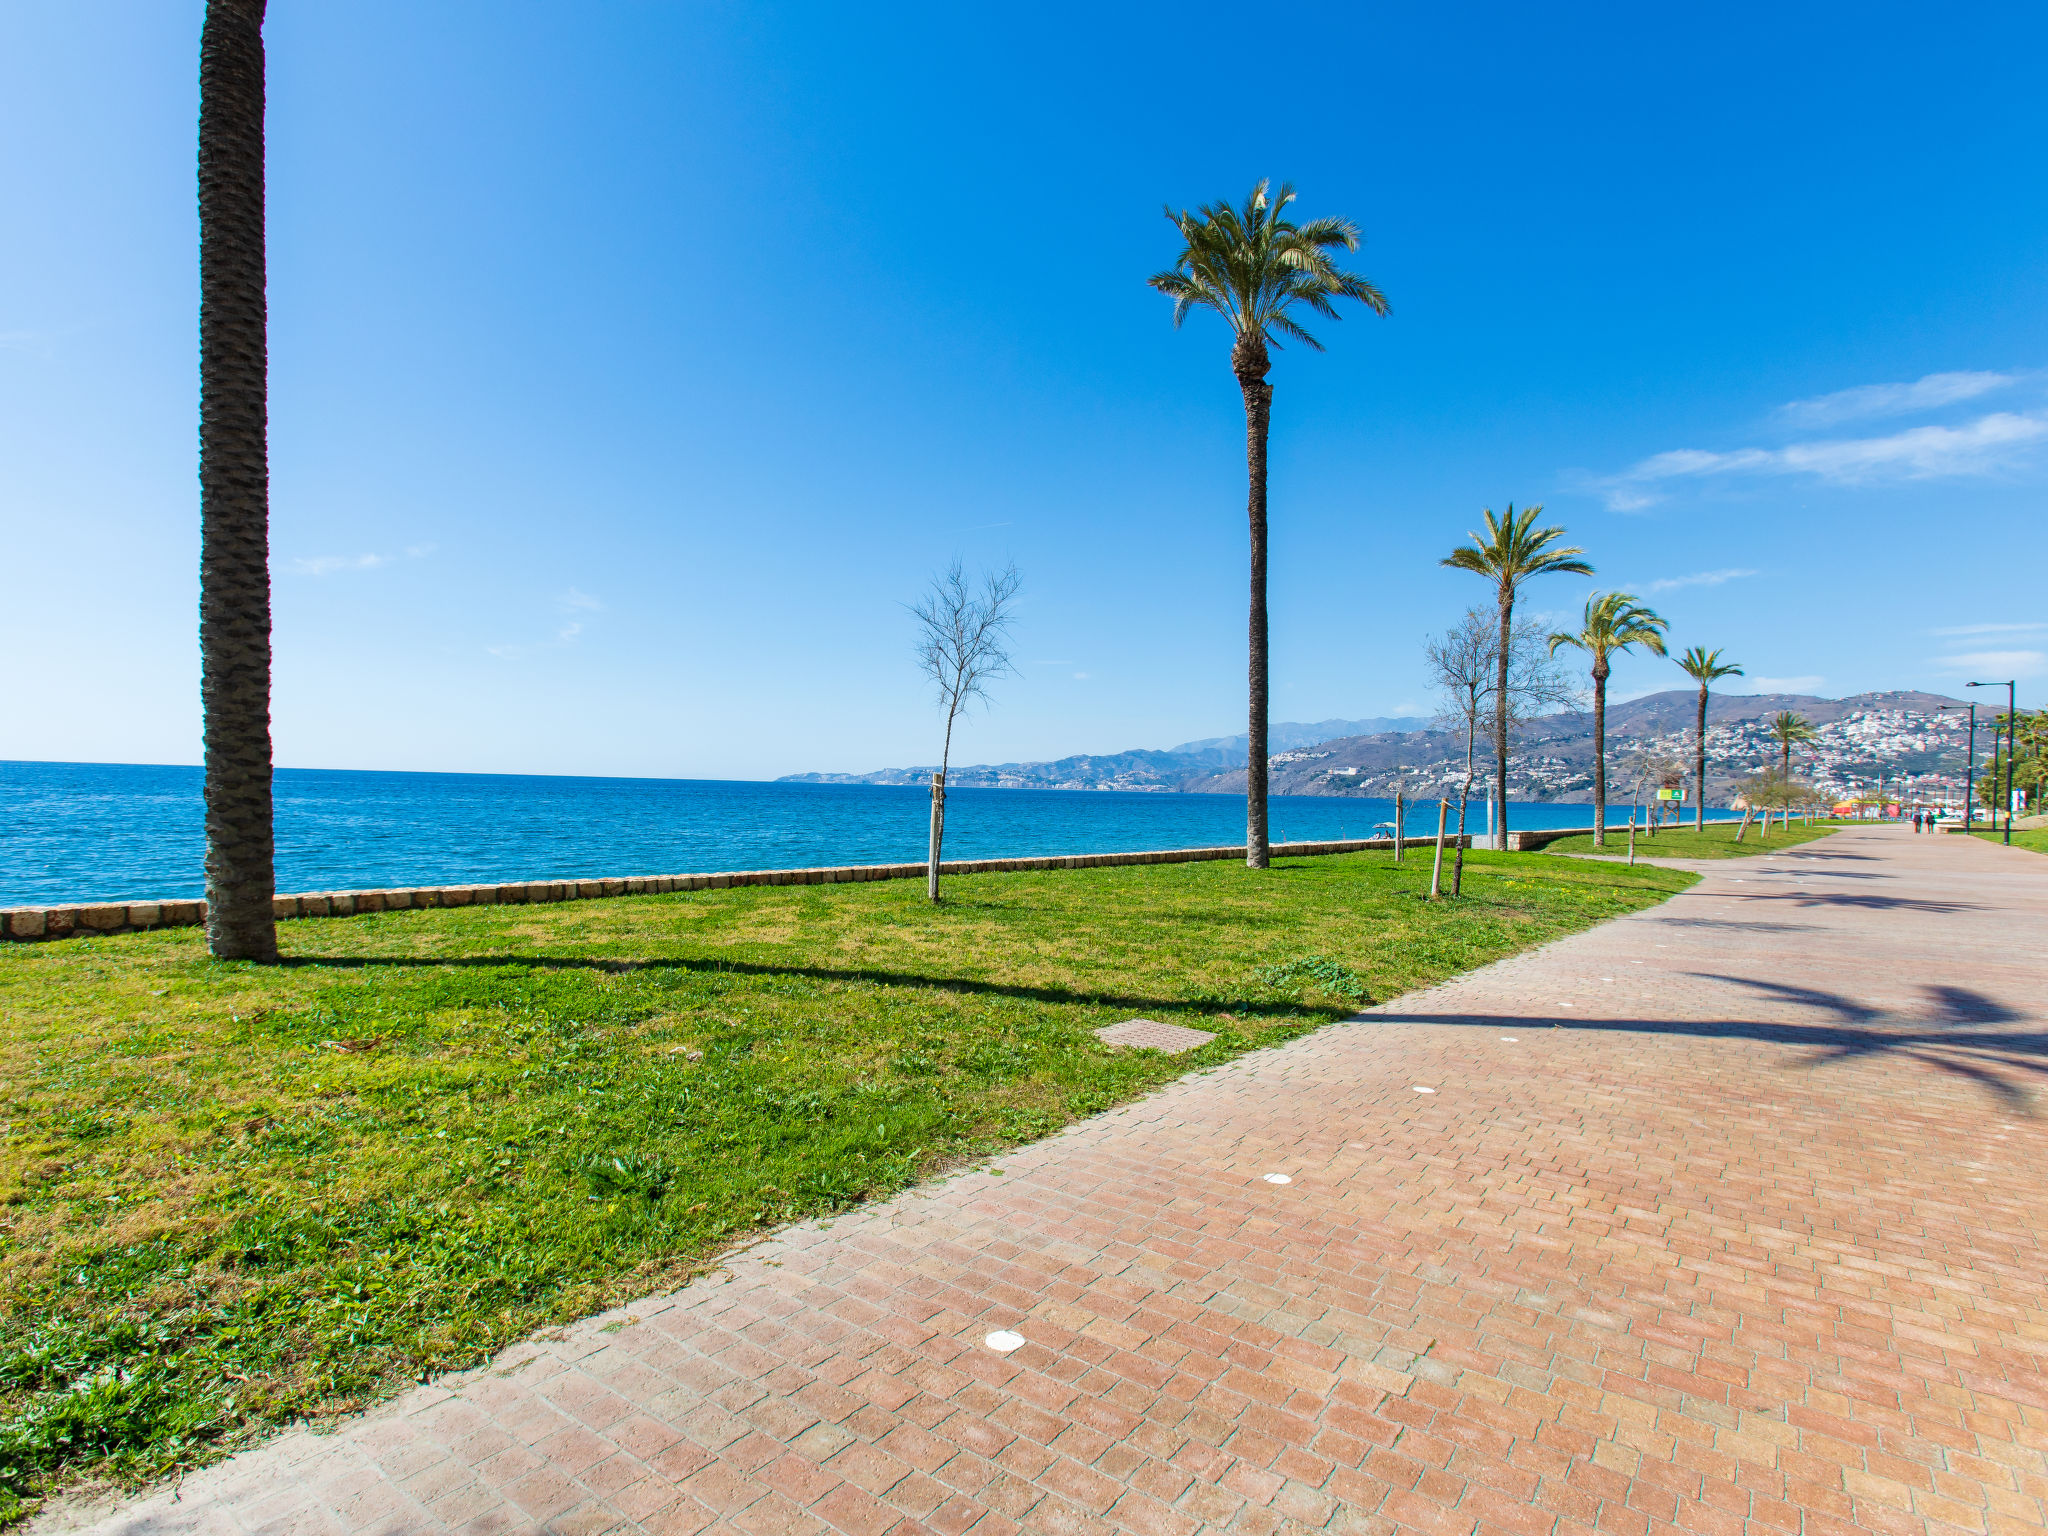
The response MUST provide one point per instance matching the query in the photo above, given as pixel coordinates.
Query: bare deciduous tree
(963, 645)
(1464, 666)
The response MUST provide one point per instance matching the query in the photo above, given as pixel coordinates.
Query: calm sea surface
(115, 832)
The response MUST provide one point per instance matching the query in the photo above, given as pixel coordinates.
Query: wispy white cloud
(575, 601)
(1981, 447)
(1869, 402)
(2030, 628)
(1697, 579)
(567, 604)
(327, 565)
(1988, 664)
(1775, 684)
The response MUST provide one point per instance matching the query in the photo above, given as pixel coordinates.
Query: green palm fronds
(1252, 266)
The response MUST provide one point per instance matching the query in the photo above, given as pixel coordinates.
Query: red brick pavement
(1723, 1217)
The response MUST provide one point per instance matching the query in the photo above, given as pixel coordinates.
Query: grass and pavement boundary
(1717, 841)
(233, 1196)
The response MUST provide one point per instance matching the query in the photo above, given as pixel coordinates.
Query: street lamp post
(1969, 762)
(2011, 721)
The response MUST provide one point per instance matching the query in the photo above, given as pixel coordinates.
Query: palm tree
(1613, 622)
(1704, 667)
(1252, 267)
(234, 486)
(1788, 728)
(1512, 551)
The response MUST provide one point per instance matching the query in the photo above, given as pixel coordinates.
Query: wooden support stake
(1436, 865)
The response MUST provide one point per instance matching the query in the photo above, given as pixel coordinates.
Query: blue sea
(128, 832)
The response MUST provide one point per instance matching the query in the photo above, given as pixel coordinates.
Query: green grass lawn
(2035, 841)
(234, 1195)
(1716, 841)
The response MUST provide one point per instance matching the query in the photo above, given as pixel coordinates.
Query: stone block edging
(1529, 842)
(63, 922)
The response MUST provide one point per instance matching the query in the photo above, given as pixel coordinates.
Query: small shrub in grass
(1314, 973)
(626, 1173)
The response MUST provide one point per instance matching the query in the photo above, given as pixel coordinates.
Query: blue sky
(633, 363)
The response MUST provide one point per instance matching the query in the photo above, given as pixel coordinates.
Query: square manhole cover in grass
(1151, 1035)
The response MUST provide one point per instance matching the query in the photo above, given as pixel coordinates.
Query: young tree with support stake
(1252, 266)
(1464, 667)
(962, 646)
(1704, 667)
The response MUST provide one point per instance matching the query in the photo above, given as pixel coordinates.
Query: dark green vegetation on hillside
(238, 1194)
(1715, 841)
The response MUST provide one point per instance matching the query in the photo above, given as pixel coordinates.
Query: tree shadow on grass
(1275, 1008)
(1947, 1034)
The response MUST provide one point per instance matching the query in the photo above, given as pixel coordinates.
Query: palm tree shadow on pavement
(1860, 899)
(1948, 1035)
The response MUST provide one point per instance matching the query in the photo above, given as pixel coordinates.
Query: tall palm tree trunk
(234, 486)
(1699, 776)
(1500, 713)
(1250, 364)
(1600, 753)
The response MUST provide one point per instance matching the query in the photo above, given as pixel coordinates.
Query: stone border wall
(1529, 842)
(138, 916)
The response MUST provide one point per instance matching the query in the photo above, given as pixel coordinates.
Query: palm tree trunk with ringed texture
(1248, 360)
(1699, 775)
(1600, 752)
(1500, 713)
(234, 486)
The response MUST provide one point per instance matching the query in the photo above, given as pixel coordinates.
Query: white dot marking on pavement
(1511, 1040)
(1002, 1341)
(1279, 1178)
(1420, 1089)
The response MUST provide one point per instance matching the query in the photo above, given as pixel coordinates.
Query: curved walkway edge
(1725, 1216)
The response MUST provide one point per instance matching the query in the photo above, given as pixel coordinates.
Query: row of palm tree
(1511, 551)
(1254, 266)
(1251, 264)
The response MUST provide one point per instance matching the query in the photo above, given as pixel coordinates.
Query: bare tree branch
(962, 645)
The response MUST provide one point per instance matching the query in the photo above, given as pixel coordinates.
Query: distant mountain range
(1860, 736)
(1139, 769)
(1287, 736)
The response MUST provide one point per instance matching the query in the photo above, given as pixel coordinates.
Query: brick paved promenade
(1726, 1216)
